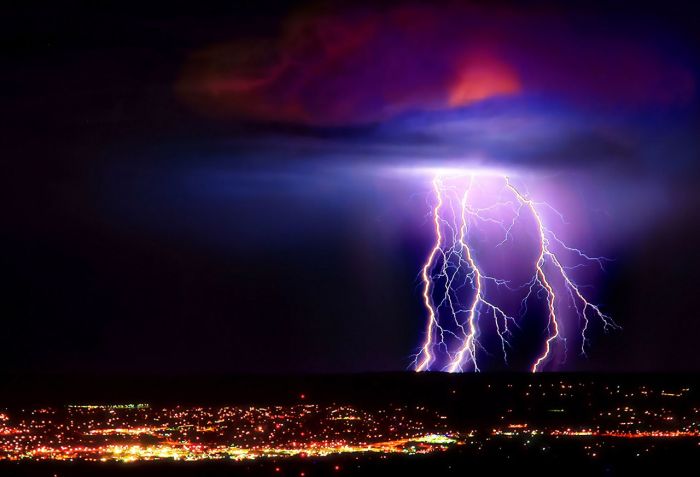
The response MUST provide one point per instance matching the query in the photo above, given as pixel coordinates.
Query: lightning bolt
(453, 262)
(427, 358)
(540, 277)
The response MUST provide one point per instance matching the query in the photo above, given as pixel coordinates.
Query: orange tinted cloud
(330, 69)
(482, 78)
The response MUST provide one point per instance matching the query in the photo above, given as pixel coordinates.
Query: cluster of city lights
(531, 415)
(129, 433)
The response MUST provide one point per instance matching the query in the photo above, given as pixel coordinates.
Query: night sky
(217, 188)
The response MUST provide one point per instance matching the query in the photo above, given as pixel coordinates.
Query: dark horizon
(433, 389)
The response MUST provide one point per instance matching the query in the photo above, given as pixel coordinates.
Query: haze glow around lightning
(459, 291)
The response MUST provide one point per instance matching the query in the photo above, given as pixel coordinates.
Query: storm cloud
(364, 65)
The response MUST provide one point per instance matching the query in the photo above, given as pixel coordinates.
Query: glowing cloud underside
(460, 290)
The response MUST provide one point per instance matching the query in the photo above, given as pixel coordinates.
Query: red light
(336, 468)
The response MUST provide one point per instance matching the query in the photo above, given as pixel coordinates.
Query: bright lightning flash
(459, 292)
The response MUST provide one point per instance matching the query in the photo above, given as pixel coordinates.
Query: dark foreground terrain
(676, 460)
